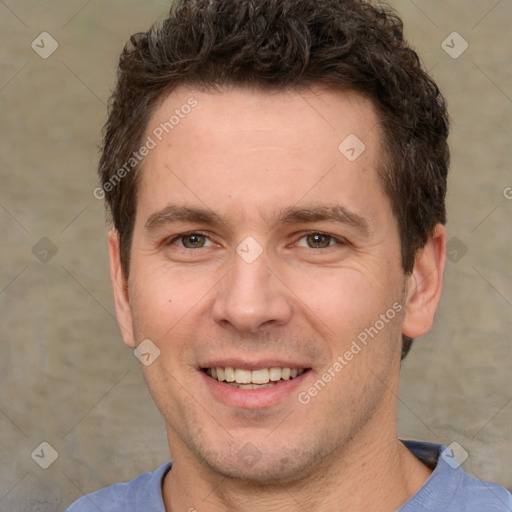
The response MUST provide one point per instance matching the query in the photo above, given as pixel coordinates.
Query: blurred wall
(67, 380)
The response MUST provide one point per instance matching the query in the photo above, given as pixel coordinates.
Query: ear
(120, 286)
(424, 285)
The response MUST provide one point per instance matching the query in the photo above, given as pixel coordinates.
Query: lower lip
(253, 398)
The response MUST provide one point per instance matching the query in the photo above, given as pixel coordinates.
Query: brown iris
(318, 241)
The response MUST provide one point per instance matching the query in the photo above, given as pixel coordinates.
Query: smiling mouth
(253, 379)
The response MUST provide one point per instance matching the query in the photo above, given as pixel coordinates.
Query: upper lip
(253, 365)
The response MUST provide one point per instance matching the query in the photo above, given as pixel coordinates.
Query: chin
(270, 466)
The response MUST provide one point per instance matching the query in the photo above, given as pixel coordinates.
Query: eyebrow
(174, 213)
(293, 215)
(321, 213)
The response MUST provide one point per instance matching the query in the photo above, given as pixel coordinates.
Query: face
(265, 268)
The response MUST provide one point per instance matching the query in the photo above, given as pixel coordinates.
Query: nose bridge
(251, 296)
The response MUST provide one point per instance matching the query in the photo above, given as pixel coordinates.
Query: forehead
(317, 113)
(240, 148)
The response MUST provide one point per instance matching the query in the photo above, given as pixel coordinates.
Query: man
(276, 173)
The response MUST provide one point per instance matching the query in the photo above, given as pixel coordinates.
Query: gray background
(65, 376)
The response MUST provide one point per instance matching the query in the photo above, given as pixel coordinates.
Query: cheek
(345, 300)
(162, 298)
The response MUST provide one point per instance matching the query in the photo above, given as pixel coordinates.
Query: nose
(251, 297)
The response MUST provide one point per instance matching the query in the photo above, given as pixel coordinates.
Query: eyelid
(171, 240)
(339, 240)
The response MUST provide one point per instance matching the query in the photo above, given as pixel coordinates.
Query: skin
(246, 156)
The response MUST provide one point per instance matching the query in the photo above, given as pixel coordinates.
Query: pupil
(319, 240)
(193, 240)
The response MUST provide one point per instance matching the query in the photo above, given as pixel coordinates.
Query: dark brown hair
(283, 45)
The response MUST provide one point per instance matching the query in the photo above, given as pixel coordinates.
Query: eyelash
(337, 240)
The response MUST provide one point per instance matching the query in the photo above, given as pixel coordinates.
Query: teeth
(229, 374)
(275, 374)
(253, 379)
(260, 376)
(243, 376)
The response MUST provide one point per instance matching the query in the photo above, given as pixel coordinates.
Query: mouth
(261, 378)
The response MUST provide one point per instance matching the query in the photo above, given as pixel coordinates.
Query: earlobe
(424, 285)
(120, 288)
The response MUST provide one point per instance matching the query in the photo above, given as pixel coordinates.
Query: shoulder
(481, 495)
(450, 488)
(125, 497)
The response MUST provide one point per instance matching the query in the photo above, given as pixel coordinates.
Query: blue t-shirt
(448, 489)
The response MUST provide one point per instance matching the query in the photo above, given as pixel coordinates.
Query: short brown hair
(283, 45)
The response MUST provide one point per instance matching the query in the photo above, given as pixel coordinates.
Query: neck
(371, 476)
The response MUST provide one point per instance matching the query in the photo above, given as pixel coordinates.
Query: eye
(318, 241)
(191, 240)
